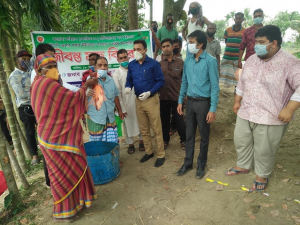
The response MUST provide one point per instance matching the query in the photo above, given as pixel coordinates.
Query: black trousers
(28, 118)
(165, 108)
(196, 113)
(4, 127)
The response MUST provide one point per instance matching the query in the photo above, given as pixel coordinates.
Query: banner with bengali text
(73, 49)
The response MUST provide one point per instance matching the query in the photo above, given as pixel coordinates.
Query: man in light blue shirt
(200, 83)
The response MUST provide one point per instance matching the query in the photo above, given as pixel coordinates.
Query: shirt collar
(146, 59)
(202, 56)
(173, 59)
(235, 30)
(167, 28)
(20, 71)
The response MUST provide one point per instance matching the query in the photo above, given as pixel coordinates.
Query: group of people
(146, 93)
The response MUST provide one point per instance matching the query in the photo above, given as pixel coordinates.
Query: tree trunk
(16, 166)
(57, 13)
(133, 17)
(11, 118)
(20, 33)
(102, 13)
(151, 11)
(168, 8)
(7, 170)
(173, 7)
(9, 66)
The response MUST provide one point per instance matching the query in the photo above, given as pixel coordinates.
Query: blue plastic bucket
(103, 160)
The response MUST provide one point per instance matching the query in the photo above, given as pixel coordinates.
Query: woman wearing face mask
(58, 112)
(101, 123)
(196, 22)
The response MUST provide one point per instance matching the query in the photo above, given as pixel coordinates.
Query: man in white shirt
(48, 49)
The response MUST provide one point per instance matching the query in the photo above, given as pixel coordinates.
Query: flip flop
(131, 149)
(182, 145)
(141, 147)
(260, 183)
(236, 172)
(35, 162)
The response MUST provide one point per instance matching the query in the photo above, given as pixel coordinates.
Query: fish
(99, 95)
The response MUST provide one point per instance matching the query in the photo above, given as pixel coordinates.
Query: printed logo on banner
(40, 39)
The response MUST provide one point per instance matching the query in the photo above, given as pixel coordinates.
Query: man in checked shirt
(267, 96)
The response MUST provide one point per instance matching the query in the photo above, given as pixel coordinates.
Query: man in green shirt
(167, 31)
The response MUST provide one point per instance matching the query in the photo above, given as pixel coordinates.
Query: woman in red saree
(58, 112)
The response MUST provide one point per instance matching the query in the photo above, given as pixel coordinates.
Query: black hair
(177, 40)
(100, 57)
(169, 14)
(239, 14)
(92, 54)
(143, 42)
(42, 48)
(121, 51)
(212, 24)
(200, 37)
(154, 22)
(271, 32)
(258, 10)
(167, 40)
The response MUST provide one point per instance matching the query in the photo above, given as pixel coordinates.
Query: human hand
(286, 115)
(179, 109)
(127, 90)
(237, 74)
(90, 93)
(211, 116)
(124, 114)
(236, 107)
(144, 96)
(91, 82)
(240, 65)
(121, 115)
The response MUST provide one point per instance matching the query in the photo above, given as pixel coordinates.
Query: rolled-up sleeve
(213, 73)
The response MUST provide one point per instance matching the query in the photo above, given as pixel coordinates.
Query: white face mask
(192, 48)
(138, 55)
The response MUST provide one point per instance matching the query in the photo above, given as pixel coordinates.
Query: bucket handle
(113, 152)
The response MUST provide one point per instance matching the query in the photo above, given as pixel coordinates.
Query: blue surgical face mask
(261, 50)
(102, 73)
(124, 64)
(25, 64)
(92, 68)
(258, 20)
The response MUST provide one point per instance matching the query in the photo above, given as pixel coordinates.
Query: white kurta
(127, 102)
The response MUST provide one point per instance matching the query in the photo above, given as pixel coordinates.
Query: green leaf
(8, 200)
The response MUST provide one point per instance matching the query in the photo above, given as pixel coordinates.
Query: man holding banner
(145, 75)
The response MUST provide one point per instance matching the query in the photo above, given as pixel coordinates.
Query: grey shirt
(213, 48)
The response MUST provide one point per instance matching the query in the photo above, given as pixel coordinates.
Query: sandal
(182, 145)
(260, 183)
(131, 149)
(35, 162)
(236, 172)
(141, 146)
(165, 145)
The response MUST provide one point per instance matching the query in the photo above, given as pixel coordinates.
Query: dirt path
(160, 197)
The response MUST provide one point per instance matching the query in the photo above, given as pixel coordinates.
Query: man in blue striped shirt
(200, 82)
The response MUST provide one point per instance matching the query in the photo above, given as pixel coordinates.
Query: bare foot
(260, 183)
(66, 220)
